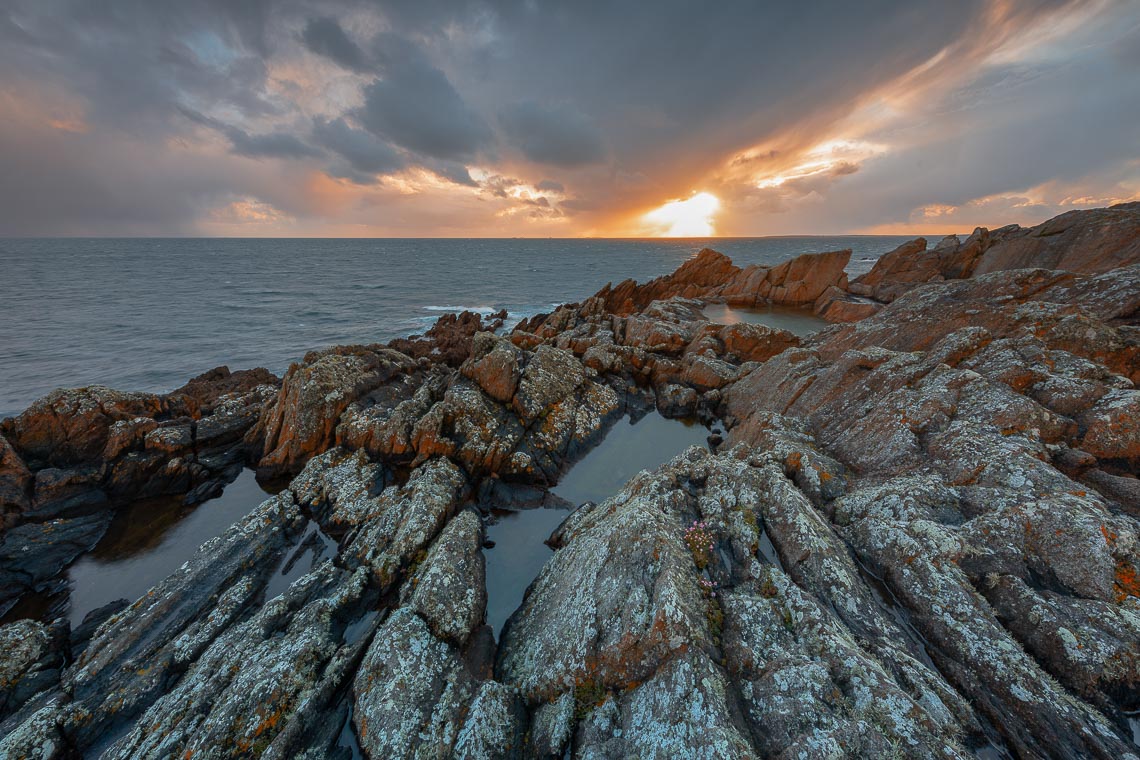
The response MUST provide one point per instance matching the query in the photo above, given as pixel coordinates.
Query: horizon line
(472, 237)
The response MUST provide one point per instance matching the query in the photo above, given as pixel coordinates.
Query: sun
(692, 217)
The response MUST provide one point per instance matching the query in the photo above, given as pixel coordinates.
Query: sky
(425, 118)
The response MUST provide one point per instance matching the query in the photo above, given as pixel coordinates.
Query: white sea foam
(458, 309)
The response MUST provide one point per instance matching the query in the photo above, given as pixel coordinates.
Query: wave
(457, 309)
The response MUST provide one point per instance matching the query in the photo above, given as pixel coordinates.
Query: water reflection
(150, 539)
(520, 552)
(797, 321)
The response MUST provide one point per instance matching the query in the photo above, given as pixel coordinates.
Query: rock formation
(919, 539)
(72, 457)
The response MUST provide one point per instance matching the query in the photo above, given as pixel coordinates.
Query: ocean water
(148, 314)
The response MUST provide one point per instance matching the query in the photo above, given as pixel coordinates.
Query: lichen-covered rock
(411, 692)
(130, 660)
(449, 589)
(1113, 426)
(495, 725)
(683, 710)
(302, 420)
(256, 686)
(494, 365)
(30, 662)
(617, 599)
(39, 737)
(1089, 241)
(402, 521)
(69, 426)
(551, 727)
(920, 539)
(808, 688)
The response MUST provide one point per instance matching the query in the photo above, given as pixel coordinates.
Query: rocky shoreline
(917, 537)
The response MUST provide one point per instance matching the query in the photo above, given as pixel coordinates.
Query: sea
(149, 314)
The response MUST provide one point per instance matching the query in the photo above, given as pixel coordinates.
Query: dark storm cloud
(416, 107)
(362, 150)
(325, 36)
(267, 145)
(133, 61)
(648, 102)
(452, 171)
(556, 136)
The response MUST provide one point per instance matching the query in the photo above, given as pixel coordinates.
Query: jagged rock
(75, 455)
(402, 520)
(15, 484)
(39, 737)
(215, 385)
(710, 274)
(808, 688)
(800, 281)
(550, 377)
(31, 659)
(552, 726)
(132, 659)
(383, 422)
(911, 265)
(1090, 242)
(261, 683)
(617, 599)
(302, 420)
(836, 305)
(898, 271)
(1113, 426)
(494, 365)
(60, 492)
(448, 341)
(693, 279)
(920, 538)
(745, 342)
(32, 554)
(71, 426)
(682, 711)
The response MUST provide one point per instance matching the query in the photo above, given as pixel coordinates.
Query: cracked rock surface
(917, 535)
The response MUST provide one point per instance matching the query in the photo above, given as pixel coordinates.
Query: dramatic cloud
(556, 136)
(562, 118)
(416, 107)
(324, 36)
(366, 156)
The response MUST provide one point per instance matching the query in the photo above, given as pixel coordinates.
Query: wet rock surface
(916, 535)
(72, 458)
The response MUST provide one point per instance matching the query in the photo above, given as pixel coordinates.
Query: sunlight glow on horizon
(692, 217)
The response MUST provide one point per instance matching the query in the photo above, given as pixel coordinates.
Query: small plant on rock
(588, 695)
(702, 543)
(714, 614)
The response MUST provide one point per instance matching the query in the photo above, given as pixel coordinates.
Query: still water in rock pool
(520, 552)
(797, 321)
(150, 539)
